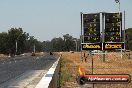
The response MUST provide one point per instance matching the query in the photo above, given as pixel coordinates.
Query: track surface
(15, 67)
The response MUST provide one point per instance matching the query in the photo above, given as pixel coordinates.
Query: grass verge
(65, 75)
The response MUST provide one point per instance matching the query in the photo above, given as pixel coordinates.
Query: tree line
(67, 43)
(26, 43)
(16, 41)
(128, 39)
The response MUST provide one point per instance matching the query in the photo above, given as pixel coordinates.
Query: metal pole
(119, 5)
(17, 43)
(92, 63)
(16, 47)
(76, 45)
(92, 68)
(34, 48)
(81, 35)
(120, 27)
(103, 37)
(118, 1)
(124, 33)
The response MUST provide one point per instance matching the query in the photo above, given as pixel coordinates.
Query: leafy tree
(129, 38)
(16, 36)
(26, 43)
(29, 43)
(4, 43)
(39, 46)
(57, 44)
(69, 43)
(47, 46)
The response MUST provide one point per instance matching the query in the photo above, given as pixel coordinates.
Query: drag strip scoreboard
(113, 22)
(91, 36)
(91, 28)
(113, 31)
(91, 32)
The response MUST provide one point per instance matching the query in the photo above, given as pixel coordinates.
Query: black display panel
(91, 28)
(113, 27)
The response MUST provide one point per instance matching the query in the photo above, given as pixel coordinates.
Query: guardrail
(51, 78)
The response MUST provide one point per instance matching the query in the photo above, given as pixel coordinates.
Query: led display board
(91, 28)
(113, 27)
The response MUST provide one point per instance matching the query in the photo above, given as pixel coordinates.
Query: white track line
(46, 79)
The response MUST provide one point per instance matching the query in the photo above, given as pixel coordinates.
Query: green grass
(65, 74)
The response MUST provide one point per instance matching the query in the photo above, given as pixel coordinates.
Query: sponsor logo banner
(112, 46)
(92, 46)
(98, 46)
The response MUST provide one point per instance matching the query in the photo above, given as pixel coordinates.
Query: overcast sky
(46, 19)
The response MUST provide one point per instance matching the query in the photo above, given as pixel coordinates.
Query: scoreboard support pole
(81, 35)
(120, 27)
(103, 31)
(124, 33)
(92, 68)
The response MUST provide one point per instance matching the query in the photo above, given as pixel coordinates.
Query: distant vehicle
(51, 53)
(71, 51)
(23, 54)
(33, 54)
(94, 51)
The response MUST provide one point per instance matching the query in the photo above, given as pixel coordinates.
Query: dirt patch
(3, 57)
